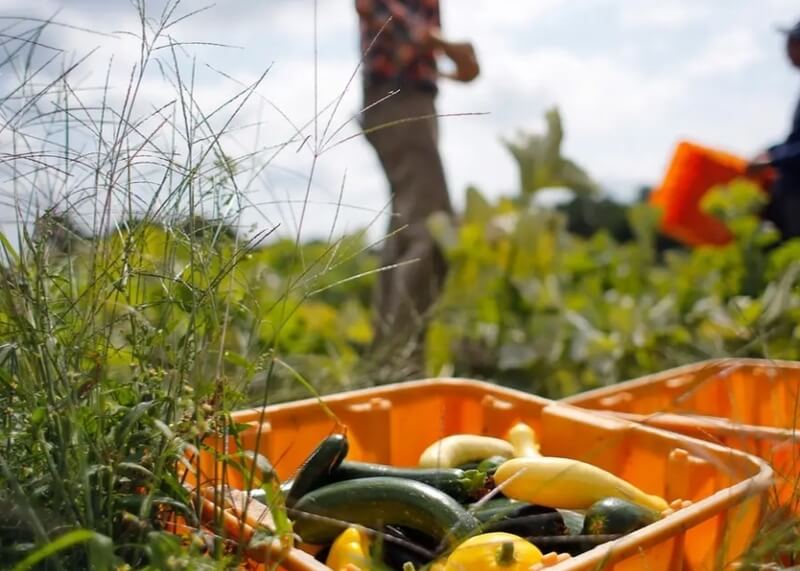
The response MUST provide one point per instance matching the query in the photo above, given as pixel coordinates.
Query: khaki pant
(409, 154)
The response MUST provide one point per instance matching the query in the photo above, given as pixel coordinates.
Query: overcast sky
(631, 77)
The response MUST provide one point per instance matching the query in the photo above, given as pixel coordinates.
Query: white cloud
(730, 51)
(630, 80)
(471, 18)
(602, 101)
(660, 14)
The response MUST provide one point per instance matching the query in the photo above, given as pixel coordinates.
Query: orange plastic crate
(693, 171)
(749, 404)
(394, 424)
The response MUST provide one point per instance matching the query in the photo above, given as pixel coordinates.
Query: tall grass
(118, 296)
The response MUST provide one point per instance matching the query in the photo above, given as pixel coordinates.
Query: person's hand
(759, 164)
(463, 56)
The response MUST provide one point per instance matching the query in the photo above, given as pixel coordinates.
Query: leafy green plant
(541, 164)
(555, 313)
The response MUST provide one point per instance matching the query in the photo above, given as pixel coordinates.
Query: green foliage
(541, 164)
(585, 215)
(531, 305)
(118, 354)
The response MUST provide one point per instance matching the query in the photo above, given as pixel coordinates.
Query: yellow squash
(349, 552)
(452, 451)
(494, 551)
(523, 439)
(566, 483)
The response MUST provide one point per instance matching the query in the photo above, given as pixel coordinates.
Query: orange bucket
(693, 172)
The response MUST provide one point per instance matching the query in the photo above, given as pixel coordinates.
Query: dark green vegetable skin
(499, 506)
(490, 465)
(615, 516)
(401, 545)
(317, 469)
(458, 484)
(571, 544)
(519, 518)
(575, 542)
(375, 502)
(606, 520)
(543, 523)
(525, 520)
(468, 466)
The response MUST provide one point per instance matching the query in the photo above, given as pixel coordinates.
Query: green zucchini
(487, 464)
(322, 514)
(463, 486)
(499, 505)
(534, 521)
(573, 520)
(473, 465)
(398, 546)
(519, 518)
(571, 544)
(490, 465)
(616, 516)
(317, 469)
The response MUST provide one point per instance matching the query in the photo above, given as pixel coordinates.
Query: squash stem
(506, 554)
(474, 480)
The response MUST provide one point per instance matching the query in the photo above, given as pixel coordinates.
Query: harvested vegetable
(452, 451)
(571, 544)
(519, 518)
(317, 469)
(462, 485)
(375, 502)
(400, 547)
(490, 465)
(567, 483)
(490, 551)
(523, 439)
(613, 515)
(351, 548)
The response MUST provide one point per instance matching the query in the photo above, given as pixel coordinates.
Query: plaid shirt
(397, 56)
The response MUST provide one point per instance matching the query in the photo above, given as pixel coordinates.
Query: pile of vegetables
(474, 503)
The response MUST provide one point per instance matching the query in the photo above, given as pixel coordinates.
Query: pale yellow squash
(567, 483)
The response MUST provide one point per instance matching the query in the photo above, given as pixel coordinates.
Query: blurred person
(784, 206)
(400, 41)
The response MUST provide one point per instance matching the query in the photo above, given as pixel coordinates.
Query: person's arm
(788, 153)
(409, 29)
(777, 156)
(462, 54)
(784, 154)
